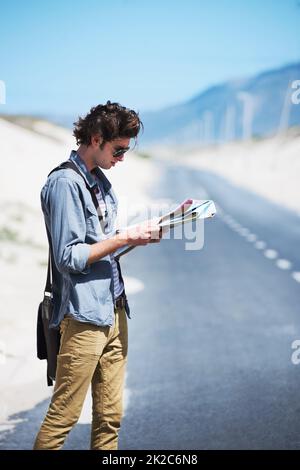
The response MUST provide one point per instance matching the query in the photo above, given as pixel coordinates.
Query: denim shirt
(83, 291)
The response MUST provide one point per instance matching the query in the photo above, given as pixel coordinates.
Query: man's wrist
(121, 239)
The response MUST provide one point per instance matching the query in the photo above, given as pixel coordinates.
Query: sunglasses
(119, 152)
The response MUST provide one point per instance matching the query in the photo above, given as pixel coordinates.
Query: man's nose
(121, 158)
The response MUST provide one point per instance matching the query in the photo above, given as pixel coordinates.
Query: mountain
(253, 107)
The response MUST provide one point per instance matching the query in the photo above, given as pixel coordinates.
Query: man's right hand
(142, 234)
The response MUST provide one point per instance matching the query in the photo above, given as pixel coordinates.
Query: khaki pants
(94, 355)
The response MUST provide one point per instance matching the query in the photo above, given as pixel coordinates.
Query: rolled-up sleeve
(68, 227)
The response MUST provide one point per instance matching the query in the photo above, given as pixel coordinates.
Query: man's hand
(143, 233)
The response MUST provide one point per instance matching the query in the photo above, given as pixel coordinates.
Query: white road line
(270, 254)
(260, 245)
(244, 232)
(251, 237)
(220, 210)
(296, 276)
(231, 224)
(227, 219)
(283, 264)
(235, 226)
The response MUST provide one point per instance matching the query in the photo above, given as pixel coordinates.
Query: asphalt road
(210, 336)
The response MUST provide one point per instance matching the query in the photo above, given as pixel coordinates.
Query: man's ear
(96, 141)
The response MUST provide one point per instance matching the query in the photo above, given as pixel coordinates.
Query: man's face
(103, 157)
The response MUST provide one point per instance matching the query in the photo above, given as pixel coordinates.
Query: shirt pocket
(92, 221)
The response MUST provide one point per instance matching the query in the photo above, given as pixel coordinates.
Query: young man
(90, 304)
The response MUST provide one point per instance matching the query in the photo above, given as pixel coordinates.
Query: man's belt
(120, 301)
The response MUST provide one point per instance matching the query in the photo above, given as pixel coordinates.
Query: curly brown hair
(110, 120)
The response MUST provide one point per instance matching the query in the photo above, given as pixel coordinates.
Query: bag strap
(48, 286)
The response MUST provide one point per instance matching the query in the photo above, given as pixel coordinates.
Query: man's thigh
(108, 379)
(83, 338)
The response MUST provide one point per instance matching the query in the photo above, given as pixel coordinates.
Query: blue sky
(62, 57)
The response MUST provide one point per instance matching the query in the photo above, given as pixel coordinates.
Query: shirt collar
(87, 174)
(106, 184)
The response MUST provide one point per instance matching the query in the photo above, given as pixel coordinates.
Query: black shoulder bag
(48, 339)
